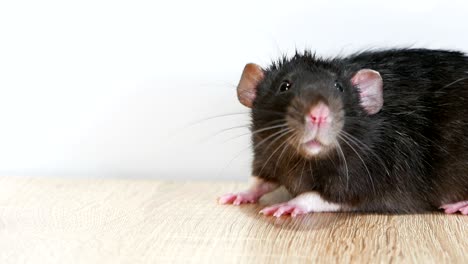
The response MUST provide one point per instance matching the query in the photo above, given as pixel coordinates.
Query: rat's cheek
(332, 134)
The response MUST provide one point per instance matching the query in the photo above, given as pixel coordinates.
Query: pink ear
(247, 87)
(370, 87)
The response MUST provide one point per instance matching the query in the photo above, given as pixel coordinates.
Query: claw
(297, 212)
(279, 210)
(238, 198)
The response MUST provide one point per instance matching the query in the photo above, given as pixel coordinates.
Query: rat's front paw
(453, 208)
(284, 209)
(302, 204)
(238, 198)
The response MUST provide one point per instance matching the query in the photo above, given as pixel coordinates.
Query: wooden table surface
(148, 221)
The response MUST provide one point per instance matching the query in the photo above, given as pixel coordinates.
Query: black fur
(415, 150)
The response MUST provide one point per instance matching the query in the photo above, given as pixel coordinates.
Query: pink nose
(319, 114)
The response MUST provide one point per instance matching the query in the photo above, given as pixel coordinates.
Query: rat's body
(382, 131)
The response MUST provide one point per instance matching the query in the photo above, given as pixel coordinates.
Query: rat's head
(308, 102)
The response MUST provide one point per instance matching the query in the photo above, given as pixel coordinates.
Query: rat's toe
(452, 208)
(238, 198)
(278, 210)
(227, 198)
(297, 212)
(464, 210)
(270, 210)
(283, 210)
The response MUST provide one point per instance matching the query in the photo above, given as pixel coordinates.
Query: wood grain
(146, 221)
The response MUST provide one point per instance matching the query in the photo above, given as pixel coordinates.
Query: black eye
(339, 87)
(285, 86)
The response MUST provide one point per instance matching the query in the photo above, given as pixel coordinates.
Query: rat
(377, 131)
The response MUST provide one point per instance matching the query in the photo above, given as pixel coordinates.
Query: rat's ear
(370, 85)
(247, 87)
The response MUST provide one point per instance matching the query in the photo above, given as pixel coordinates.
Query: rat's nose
(319, 114)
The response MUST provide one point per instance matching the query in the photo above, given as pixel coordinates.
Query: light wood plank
(149, 221)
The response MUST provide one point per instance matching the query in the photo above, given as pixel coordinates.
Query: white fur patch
(313, 202)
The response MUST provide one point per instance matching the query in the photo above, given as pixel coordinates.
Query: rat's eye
(285, 86)
(339, 87)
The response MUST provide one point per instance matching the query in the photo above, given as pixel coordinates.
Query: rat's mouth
(313, 146)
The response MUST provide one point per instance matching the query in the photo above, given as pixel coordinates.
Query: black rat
(377, 131)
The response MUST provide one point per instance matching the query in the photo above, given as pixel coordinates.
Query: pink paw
(238, 198)
(284, 209)
(452, 208)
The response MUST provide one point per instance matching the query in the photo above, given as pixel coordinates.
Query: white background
(109, 88)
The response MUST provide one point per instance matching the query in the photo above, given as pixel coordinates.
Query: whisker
(290, 159)
(258, 130)
(310, 167)
(249, 133)
(253, 148)
(259, 143)
(370, 150)
(302, 172)
(363, 163)
(213, 117)
(273, 153)
(282, 152)
(270, 136)
(179, 130)
(344, 160)
(297, 147)
(234, 158)
(286, 131)
(196, 122)
(267, 111)
(268, 128)
(452, 83)
(238, 136)
(297, 163)
(224, 130)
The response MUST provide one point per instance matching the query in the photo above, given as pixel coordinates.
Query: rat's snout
(318, 128)
(319, 114)
(316, 116)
